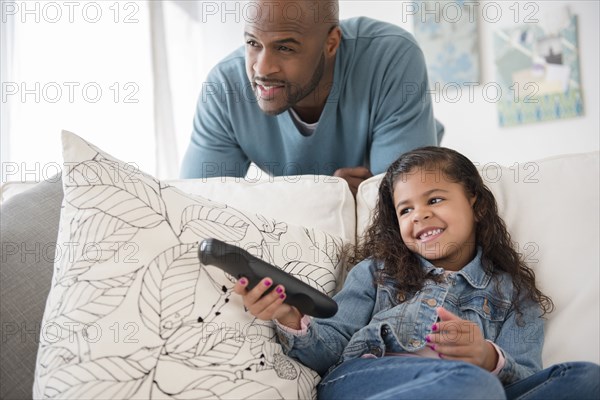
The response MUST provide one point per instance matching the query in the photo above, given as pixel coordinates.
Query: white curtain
(6, 38)
(187, 41)
(164, 121)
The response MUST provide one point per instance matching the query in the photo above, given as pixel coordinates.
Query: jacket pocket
(489, 312)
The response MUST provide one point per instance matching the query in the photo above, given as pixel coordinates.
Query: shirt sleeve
(404, 116)
(304, 325)
(501, 359)
(213, 150)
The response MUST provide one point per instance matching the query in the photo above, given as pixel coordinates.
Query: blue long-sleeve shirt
(378, 108)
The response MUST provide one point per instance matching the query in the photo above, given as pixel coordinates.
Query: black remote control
(238, 262)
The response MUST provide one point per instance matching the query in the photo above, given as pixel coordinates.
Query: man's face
(285, 59)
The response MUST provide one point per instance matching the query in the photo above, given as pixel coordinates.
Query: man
(308, 95)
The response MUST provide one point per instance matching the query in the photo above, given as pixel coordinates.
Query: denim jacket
(372, 319)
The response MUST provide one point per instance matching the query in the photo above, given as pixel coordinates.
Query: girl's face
(436, 218)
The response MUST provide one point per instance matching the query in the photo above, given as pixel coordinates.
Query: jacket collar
(474, 272)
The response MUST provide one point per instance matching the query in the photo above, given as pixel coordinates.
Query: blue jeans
(574, 380)
(428, 378)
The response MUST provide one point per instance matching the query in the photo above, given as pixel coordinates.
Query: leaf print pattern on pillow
(133, 313)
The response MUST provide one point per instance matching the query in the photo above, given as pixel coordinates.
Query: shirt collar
(474, 272)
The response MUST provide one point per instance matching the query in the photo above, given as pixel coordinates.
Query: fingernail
(279, 289)
(440, 354)
(434, 327)
(282, 296)
(243, 281)
(427, 339)
(433, 347)
(268, 283)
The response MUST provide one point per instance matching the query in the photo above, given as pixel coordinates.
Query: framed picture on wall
(537, 71)
(447, 33)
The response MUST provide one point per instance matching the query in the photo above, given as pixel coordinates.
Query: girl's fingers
(270, 310)
(454, 332)
(240, 286)
(257, 308)
(252, 296)
(450, 351)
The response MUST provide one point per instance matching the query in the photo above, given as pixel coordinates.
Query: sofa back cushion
(551, 208)
(317, 201)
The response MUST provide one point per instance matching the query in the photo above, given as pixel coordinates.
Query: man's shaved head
(302, 12)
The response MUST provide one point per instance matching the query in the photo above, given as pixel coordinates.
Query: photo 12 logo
(69, 92)
(70, 11)
(471, 11)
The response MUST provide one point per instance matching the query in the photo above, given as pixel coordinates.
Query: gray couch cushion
(29, 228)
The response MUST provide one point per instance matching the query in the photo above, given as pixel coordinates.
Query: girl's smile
(429, 234)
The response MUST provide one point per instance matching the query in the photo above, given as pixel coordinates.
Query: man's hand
(354, 176)
(458, 339)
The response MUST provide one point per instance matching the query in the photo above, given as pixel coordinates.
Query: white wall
(472, 124)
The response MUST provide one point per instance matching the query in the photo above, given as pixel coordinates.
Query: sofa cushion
(133, 313)
(551, 208)
(322, 202)
(28, 229)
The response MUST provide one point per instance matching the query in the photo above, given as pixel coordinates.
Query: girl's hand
(270, 306)
(458, 339)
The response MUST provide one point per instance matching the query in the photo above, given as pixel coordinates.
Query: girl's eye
(404, 211)
(435, 200)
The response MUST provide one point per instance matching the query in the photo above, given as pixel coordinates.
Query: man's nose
(265, 64)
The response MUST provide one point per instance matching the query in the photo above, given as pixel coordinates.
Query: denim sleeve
(521, 340)
(327, 338)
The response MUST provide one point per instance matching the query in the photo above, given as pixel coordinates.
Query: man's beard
(294, 94)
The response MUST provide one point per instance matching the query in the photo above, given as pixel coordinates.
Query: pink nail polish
(440, 354)
(268, 283)
(434, 327)
(243, 281)
(279, 289)
(427, 339)
(282, 296)
(433, 347)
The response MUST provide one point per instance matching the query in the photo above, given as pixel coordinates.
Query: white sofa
(551, 207)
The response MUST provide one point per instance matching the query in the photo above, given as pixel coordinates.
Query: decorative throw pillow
(133, 314)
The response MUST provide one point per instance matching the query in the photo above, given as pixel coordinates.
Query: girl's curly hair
(382, 240)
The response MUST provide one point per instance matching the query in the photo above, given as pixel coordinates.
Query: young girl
(442, 305)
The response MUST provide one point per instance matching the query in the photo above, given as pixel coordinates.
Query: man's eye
(285, 49)
(251, 43)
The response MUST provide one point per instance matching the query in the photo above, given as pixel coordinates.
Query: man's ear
(333, 41)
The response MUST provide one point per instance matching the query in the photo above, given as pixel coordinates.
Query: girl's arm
(323, 342)
(521, 340)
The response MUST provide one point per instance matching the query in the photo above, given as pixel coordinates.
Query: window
(82, 66)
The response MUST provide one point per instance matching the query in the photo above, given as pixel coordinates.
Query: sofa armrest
(29, 228)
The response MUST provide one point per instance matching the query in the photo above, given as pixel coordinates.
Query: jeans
(428, 378)
(574, 380)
